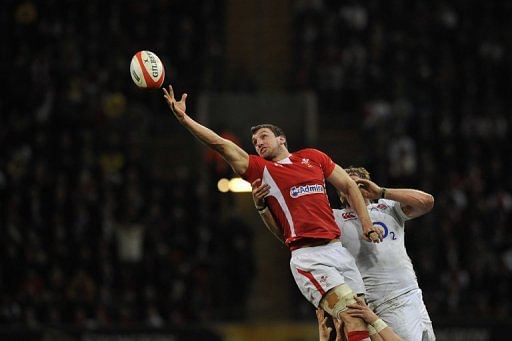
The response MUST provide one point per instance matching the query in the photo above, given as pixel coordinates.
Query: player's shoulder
(391, 208)
(310, 152)
(383, 204)
(257, 158)
(256, 165)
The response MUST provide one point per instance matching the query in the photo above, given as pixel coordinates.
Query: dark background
(416, 91)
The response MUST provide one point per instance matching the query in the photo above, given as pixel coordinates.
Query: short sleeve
(396, 208)
(324, 160)
(254, 170)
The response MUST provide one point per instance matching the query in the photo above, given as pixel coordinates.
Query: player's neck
(283, 154)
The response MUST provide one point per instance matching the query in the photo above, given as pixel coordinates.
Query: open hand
(369, 189)
(340, 332)
(323, 331)
(179, 108)
(361, 310)
(259, 191)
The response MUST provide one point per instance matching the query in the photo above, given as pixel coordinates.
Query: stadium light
(236, 185)
(223, 185)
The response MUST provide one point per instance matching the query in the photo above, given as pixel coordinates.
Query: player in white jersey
(392, 289)
(321, 267)
(391, 286)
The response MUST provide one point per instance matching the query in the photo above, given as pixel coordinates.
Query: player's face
(266, 143)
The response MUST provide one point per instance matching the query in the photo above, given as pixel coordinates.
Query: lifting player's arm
(237, 158)
(414, 202)
(324, 332)
(379, 330)
(344, 183)
(259, 191)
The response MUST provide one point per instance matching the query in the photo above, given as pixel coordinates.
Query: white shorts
(320, 268)
(408, 316)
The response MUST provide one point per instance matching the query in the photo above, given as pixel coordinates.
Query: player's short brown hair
(275, 129)
(358, 171)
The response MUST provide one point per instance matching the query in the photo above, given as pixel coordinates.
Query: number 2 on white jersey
(386, 230)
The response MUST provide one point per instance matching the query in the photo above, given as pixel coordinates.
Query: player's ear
(282, 140)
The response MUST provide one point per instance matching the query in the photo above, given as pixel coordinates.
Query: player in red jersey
(324, 271)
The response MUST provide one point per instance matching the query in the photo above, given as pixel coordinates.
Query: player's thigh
(335, 303)
(405, 316)
(314, 273)
(347, 266)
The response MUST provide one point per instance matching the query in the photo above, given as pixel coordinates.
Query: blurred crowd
(428, 83)
(96, 233)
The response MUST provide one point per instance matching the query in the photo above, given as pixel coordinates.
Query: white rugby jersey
(386, 268)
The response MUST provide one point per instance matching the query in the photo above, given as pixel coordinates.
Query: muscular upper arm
(424, 203)
(237, 158)
(413, 202)
(340, 179)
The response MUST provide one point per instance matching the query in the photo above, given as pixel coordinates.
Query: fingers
(365, 192)
(359, 300)
(356, 313)
(318, 317)
(375, 234)
(255, 183)
(183, 98)
(355, 306)
(338, 324)
(260, 188)
(380, 231)
(322, 319)
(363, 182)
(371, 236)
(169, 95)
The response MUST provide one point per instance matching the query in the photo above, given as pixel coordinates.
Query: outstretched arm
(237, 158)
(414, 202)
(259, 192)
(344, 183)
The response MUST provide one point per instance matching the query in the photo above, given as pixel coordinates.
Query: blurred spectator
(95, 233)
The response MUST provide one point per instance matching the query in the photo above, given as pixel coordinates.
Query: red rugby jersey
(298, 198)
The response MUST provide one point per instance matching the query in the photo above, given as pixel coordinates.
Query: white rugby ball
(147, 70)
